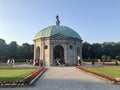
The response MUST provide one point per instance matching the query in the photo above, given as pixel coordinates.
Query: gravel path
(68, 78)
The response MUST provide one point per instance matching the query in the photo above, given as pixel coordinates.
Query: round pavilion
(58, 45)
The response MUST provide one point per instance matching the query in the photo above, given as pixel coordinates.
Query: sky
(96, 21)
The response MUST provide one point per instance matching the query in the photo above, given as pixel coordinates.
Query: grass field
(113, 71)
(13, 74)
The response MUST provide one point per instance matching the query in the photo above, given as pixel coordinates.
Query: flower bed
(115, 80)
(26, 81)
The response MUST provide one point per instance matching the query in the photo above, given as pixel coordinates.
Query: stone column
(75, 54)
(43, 53)
(66, 54)
(34, 50)
(41, 50)
(81, 52)
(51, 54)
(47, 53)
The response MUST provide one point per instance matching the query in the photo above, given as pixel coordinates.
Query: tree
(116, 60)
(96, 50)
(86, 50)
(2, 49)
(103, 58)
(19, 54)
(12, 49)
(109, 58)
(27, 50)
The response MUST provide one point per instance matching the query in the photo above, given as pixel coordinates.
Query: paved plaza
(68, 78)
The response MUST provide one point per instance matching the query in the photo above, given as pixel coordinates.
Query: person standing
(79, 61)
(12, 62)
(8, 62)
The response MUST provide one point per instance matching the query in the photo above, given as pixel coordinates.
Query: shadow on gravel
(65, 84)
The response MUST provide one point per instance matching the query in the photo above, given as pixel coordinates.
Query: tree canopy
(13, 50)
(26, 51)
(97, 50)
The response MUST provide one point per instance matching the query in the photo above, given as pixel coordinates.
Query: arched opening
(58, 53)
(37, 56)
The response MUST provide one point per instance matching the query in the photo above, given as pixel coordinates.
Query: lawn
(113, 71)
(13, 74)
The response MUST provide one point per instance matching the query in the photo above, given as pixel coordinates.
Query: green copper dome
(52, 30)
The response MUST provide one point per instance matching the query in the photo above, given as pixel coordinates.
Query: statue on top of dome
(58, 21)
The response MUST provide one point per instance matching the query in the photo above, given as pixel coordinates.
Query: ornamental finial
(57, 21)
